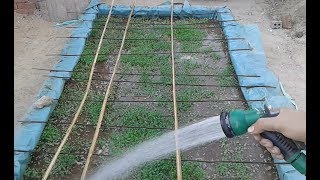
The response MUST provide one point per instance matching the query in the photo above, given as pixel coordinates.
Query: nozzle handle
(291, 152)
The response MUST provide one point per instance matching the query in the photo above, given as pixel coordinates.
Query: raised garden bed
(141, 103)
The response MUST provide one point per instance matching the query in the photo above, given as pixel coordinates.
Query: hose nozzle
(236, 123)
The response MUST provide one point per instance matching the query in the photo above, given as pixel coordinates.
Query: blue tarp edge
(28, 134)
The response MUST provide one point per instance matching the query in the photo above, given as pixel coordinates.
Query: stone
(43, 102)
(276, 24)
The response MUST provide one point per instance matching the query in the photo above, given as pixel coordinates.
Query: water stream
(187, 137)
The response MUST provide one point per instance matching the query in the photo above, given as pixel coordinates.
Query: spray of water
(190, 136)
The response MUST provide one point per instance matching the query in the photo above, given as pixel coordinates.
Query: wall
(63, 10)
(26, 6)
(52, 10)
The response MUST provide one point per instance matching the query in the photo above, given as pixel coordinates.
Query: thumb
(263, 124)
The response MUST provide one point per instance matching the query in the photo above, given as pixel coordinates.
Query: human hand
(291, 123)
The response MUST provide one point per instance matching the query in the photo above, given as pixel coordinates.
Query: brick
(286, 22)
(276, 24)
(33, 1)
(26, 5)
(20, 1)
(24, 11)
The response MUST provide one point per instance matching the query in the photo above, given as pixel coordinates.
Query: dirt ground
(34, 38)
(285, 49)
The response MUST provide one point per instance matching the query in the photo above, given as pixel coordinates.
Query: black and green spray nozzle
(236, 123)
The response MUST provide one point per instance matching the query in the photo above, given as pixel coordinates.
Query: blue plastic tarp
(250, 62)
(28, 134)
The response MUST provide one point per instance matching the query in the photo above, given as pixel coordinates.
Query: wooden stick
(65, 138)
(178, 156)
(104, 104)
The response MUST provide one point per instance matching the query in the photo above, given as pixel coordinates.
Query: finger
(266, 143)
(257, 137)
(263, 124)
(280, 157)
(270, 150)
(276, 151)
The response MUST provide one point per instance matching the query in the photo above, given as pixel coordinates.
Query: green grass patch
(50, 136)
(102, 142)
(150, 89)
(185, 35)
(92, 110)
(146, 63)
(182, 33)
(143, 116)
(240, 171)
(193, 46)
(65, 162)
(122, 141)
(63, 110)
(183, 79)
(225, 80)
(187, 66)
(189, 94)
(32, 173)
(165, 169)
(215, 56)
(137, 116)
(66, 108)
(237, 170)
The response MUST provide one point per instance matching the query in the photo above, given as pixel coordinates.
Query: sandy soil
(34, 38)
(286, 54)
